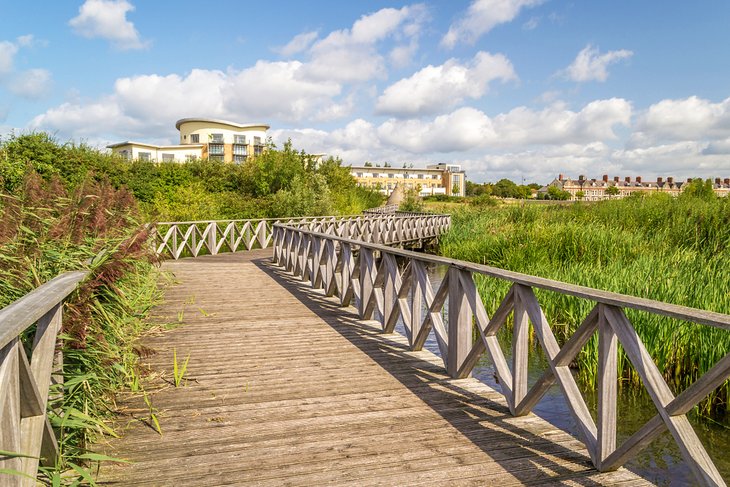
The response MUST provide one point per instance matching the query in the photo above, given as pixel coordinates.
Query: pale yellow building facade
(201, 138)
(436, 179)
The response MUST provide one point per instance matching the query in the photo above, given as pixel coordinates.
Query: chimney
(689, 180)
(659, 180)
(727, 181)
(615, 179)
(627, 179)
(718, 181)
(605, 178)
(560, 177)
(638, 179)
(670, 180)
(582, 177)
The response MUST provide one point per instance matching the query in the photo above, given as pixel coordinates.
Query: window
(238, 159)
(216, 138)
(190, 157)
(358, 174)
(124, 154)
(420, 176)
(240, 150)
(168, 157)
(215, 149)
(144, 156)
(239, 139)
(195, 138)
(391, 175)
(257, 141)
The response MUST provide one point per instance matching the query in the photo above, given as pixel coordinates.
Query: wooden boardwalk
(287, 388)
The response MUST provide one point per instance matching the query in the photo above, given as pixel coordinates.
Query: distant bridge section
(211, 237)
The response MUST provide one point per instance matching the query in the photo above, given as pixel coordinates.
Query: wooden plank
(312, 395)
(460, 326)
(607, 388)
(19, 315)
(684, 436)
(710, 318)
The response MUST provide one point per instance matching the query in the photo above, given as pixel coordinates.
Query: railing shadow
(484, 419)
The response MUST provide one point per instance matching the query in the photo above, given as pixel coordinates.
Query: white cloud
(299, 43)
(531, 24)
(481, 17)
(438, 88)
(107, 19)
(350, 55)
(686, 119)
(32, 83)
(8, 50)
(591, 65)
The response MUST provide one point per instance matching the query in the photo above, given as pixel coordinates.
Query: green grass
(671, 250)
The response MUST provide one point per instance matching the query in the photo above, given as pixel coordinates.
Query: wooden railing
(191, 239)
(368, 275)
(26, 435)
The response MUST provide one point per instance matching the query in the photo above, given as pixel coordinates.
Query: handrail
(181, 239)
(369, 275)
(25, 381)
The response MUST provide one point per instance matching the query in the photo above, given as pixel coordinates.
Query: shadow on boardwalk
(528, 448)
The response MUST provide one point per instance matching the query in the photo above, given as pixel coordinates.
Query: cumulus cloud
(299, 43)
(107, 19)
(31, 84)
(350, 55)
(437, 88)
(481, 17)
(591, 65)
(8, 50)
(685, 119)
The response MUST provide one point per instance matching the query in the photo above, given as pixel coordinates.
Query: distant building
(201, 138)
(446, 179)
(597, 190)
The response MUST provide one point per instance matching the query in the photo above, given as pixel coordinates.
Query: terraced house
(201, 138)
(597, 190)
(446, 179)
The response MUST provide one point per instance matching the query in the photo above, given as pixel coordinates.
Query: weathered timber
(382, 281)
(286, 387)
(25, 381)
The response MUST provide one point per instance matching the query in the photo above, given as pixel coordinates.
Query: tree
(368, 164)
(580, 195)
(699, 189)
(612, 191)
(555, 193)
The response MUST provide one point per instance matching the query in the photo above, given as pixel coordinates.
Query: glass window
(257, 141)
(168, 157)
(239, 139)
(216, 138)
(238, 159)
(189, 157)
(215, 149)
(194, 138)
(239, 150)
(144, 156)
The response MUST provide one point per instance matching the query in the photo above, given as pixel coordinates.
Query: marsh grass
(47, 229)
(671, 250)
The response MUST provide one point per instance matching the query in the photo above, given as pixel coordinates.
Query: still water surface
(660, 463)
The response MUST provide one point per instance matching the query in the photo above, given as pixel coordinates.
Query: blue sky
(507, 88)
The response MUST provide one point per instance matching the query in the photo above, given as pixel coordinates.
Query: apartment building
(597, 190)
(201, 138)
(445, 179)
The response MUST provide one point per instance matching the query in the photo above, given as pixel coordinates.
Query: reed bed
(672, 250)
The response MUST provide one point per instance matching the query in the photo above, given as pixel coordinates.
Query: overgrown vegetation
(669, 249)
(68, 207)
(278, 183)
(48, 228)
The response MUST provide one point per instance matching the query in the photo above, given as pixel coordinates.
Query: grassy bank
(672, 250)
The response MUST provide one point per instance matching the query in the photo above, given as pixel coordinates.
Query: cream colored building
(445, 179)
(597, 190)
(201, 138)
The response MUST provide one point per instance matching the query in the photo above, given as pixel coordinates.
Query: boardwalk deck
(286, 388)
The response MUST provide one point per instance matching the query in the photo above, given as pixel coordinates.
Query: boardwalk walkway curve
(288, 387)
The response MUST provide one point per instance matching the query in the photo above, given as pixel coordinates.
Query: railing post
(607, 388)
(459, 331)
(520, 349)
(213, 238)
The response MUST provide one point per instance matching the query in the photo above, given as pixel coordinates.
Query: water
(661, 462)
